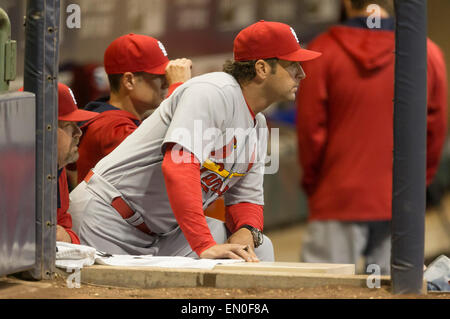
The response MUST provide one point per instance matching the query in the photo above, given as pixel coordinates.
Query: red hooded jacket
(105, 132)
(102, 134)
(345, 123)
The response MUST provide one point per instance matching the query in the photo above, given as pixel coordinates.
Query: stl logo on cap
(295, 35)
(163, 49)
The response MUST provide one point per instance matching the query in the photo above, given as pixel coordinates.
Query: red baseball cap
(266, 39)
(135, 53)
(67, 106)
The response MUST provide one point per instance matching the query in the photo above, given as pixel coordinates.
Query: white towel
(437, 274)
(74, 256)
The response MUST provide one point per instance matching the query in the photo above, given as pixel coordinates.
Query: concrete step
(271, 275)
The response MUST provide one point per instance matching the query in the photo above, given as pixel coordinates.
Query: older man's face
(68, 138)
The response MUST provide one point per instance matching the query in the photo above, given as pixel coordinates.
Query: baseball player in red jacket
(68, 137)
(345, 138)
(208, 139)
(139, 73)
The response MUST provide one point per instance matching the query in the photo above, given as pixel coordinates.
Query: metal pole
(410, 123)
(40, 77)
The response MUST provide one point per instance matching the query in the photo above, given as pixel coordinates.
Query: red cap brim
(300, 55)
(78, 116)
(160, 69)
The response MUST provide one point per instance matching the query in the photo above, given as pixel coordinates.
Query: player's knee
(265, 252)
(218, 230)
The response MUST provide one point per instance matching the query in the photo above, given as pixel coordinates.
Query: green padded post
(8, 49)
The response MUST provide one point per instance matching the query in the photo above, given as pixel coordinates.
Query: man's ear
(262, 69)
(128, 81)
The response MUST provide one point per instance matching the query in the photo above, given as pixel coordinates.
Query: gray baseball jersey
(207, 116)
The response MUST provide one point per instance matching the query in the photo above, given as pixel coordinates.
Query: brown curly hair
(245, 71)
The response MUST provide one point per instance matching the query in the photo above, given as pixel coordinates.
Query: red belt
(125, 210)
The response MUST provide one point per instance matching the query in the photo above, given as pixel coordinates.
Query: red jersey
(64, 218)
(102, 134)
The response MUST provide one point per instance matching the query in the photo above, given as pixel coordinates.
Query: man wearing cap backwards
(206, 140)
(139, 74)
(68, 138)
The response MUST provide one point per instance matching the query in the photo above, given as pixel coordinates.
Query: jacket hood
(370, 49)
(99, 105)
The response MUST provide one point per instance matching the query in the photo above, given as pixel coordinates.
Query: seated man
(208, 139)
(68, 137)
(140, 75)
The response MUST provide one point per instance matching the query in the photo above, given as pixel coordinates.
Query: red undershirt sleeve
(64, 219)
(172, 88)
(73, 236)
(185, 196)
(244, 214)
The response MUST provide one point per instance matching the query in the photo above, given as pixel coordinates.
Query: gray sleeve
(199, 118)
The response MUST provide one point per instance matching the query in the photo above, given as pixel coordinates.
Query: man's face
(284, 83)
(68, 138)
(149, 91)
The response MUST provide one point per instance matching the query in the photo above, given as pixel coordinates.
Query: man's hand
(232, 251)
(244, 236)
(62, 235)
(178, 70)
